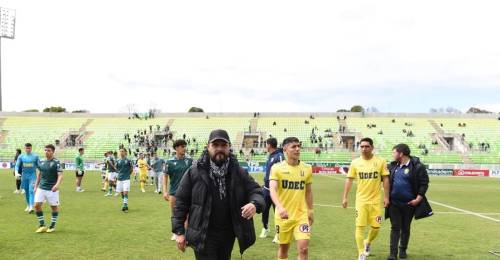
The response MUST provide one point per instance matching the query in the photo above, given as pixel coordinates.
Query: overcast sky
(284, 56)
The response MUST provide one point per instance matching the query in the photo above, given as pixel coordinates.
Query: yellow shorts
(368, 214)
(299, 229)
(143, 176)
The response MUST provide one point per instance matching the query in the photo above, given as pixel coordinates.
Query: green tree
(357, 108)
(195, 110)
(54, 109)
(32, 110)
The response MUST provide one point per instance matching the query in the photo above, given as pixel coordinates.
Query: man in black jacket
(409, 182)
(220, 198)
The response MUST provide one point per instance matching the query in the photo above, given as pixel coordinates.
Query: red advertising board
(326, 170)
(469, 172)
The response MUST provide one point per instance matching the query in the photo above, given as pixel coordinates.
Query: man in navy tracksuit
(409, 183)
(275, 156)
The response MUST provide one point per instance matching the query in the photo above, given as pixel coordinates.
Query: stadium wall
(250, 115)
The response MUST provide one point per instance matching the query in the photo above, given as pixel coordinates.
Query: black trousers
(401, 217)
(265, 211)
(218, 246)
(18, 183)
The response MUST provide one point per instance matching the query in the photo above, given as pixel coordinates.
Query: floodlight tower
(7, 30)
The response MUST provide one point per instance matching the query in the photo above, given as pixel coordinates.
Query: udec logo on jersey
(305, 228)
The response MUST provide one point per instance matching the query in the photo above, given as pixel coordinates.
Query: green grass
(93, 227)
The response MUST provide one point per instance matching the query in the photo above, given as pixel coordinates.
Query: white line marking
(439, 212)
(465, 211)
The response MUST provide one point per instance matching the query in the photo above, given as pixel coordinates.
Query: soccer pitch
(466, 224)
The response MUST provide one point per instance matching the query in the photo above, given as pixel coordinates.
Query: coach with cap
(409, 183)
(220, 198)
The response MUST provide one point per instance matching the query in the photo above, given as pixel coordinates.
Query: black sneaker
(392, 257)
(402, 254)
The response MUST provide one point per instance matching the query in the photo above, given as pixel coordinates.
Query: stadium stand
(473, 139)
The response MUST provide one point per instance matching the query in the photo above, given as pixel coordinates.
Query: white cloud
(101, 55)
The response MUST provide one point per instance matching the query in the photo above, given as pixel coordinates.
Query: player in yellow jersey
(143, 166)
(291, 192)
(369, 171)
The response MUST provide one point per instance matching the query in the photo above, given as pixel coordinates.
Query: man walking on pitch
(27, 164)
(370, 171)
(275, 156)
(80, 170)
(125, 168)
(175, 169)
(220, 198)
(143, 171)
(104, 172)
(111, 175)
(47, 188)
(18, 177)
(158, 165)
(409, 183)
(290, 186)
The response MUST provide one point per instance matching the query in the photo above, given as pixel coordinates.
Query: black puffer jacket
(420, 183)
(193, 197)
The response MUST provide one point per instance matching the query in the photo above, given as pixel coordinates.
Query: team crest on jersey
(305, 228)
(407, 171)
(378, 219)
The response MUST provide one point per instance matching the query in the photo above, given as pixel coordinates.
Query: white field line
(440, 212)
(465, 211)
(459, 210)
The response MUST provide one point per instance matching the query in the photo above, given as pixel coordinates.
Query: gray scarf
(218, 176)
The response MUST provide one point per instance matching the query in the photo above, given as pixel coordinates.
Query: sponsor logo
(5, 165)
(440, 172)
(305, 228)
(473, 173)
(368, 175)
(327, 169)
(293, 185)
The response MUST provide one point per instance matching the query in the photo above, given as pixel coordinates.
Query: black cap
(219, 134)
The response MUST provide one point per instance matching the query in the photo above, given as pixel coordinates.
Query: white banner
(4, 165)
(495, 173)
